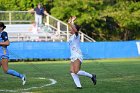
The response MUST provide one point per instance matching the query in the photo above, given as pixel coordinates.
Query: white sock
(83, 73)
(76, 79)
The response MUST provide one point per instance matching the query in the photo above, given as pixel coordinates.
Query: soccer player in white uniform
(76, 55)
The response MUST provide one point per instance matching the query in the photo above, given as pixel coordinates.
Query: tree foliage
(103, 20)
(20, 5)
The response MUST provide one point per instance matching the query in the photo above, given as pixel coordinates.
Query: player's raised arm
(71, 23)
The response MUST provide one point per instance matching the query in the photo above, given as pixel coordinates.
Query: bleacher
(52, 30)
(21, 32)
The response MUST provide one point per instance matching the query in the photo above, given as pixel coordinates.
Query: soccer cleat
(79, 87)
(94, 79)
(23, 80)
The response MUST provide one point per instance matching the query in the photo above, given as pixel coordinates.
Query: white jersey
(75, 50)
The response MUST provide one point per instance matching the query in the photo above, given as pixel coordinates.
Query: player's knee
(76, 71)
(5, 71)
(71, 71)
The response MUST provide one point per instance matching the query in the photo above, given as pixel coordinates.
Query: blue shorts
(4, 53)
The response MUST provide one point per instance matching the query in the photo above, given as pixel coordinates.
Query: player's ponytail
(2, 25)
(78, 28)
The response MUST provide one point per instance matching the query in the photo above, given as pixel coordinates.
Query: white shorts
(75, 58)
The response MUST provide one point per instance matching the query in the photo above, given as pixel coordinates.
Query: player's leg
(0, 64)
(84, 73)
(75, 76)
(92, 76)
(77, 66)
(4, 63)
(10, 71)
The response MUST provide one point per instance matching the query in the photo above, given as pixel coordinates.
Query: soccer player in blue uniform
(76, 55)
(4, 55)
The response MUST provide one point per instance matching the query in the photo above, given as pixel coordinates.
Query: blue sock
(14, 73)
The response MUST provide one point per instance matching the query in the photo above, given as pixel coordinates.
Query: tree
(103, 20)
(20, 5)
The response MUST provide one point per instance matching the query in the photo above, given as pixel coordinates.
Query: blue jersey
(39, 11)
(3, 49)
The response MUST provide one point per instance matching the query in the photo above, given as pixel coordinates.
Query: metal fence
(22, 18)
(16, 17)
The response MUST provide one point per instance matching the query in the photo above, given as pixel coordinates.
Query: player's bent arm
(5, 43)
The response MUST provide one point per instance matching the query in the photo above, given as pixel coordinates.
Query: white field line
(26, 89)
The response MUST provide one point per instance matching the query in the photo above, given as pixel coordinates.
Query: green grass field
(113, 75)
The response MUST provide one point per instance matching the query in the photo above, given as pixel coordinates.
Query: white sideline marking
(52, 83)
(138, 46)
(40, 78)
